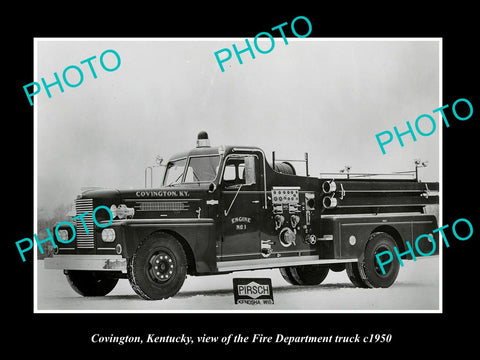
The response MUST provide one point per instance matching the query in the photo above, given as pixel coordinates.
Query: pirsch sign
(253, 291)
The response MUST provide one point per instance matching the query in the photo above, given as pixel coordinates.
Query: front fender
(198, 234)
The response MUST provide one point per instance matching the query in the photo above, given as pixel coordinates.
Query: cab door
(241, 194)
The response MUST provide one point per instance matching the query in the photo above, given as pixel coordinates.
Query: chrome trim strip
(393, 191)
(383, 205)
(170, 221)
(272, 255)
(163, 199)
(370, 215)
(276, 262)
(387, 223)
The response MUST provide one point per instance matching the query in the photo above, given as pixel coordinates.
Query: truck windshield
(199, 169)
(174, 172)
(202, 168)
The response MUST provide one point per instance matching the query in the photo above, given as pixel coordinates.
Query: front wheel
(158, 267)
(91, 283)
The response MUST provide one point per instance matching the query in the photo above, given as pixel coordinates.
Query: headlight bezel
(108, 235)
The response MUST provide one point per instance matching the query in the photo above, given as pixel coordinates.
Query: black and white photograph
(223, 180)
(192, 163)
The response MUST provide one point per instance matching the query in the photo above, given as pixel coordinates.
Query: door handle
(255, 201)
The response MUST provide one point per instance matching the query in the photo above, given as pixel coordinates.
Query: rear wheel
(91, 283)
(369, 270)
(305, 275)
(158, 267)
(287, 275)
(354, 275)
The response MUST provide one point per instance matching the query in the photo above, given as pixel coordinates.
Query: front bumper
(87, 262)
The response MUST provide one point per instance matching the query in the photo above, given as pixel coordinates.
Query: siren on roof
(202, 140)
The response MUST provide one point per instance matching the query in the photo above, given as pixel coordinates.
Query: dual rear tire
(305, 275)
(366, 273)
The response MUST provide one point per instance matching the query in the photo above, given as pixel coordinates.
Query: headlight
(63, 234)
(108, 235)
(122, 211)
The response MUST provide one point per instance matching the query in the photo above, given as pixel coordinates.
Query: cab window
(234, 172)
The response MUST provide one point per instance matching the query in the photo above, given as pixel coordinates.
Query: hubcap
(162, 267)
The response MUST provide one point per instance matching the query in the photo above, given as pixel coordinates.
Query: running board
(269, 263)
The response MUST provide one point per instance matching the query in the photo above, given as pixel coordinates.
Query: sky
(327, 97)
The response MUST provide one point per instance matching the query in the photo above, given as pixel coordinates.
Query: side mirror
(159, 160)
(250, 175)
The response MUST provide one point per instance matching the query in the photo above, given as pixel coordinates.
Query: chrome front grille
(84, 240)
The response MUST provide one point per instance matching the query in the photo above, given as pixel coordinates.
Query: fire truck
(227, 208)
